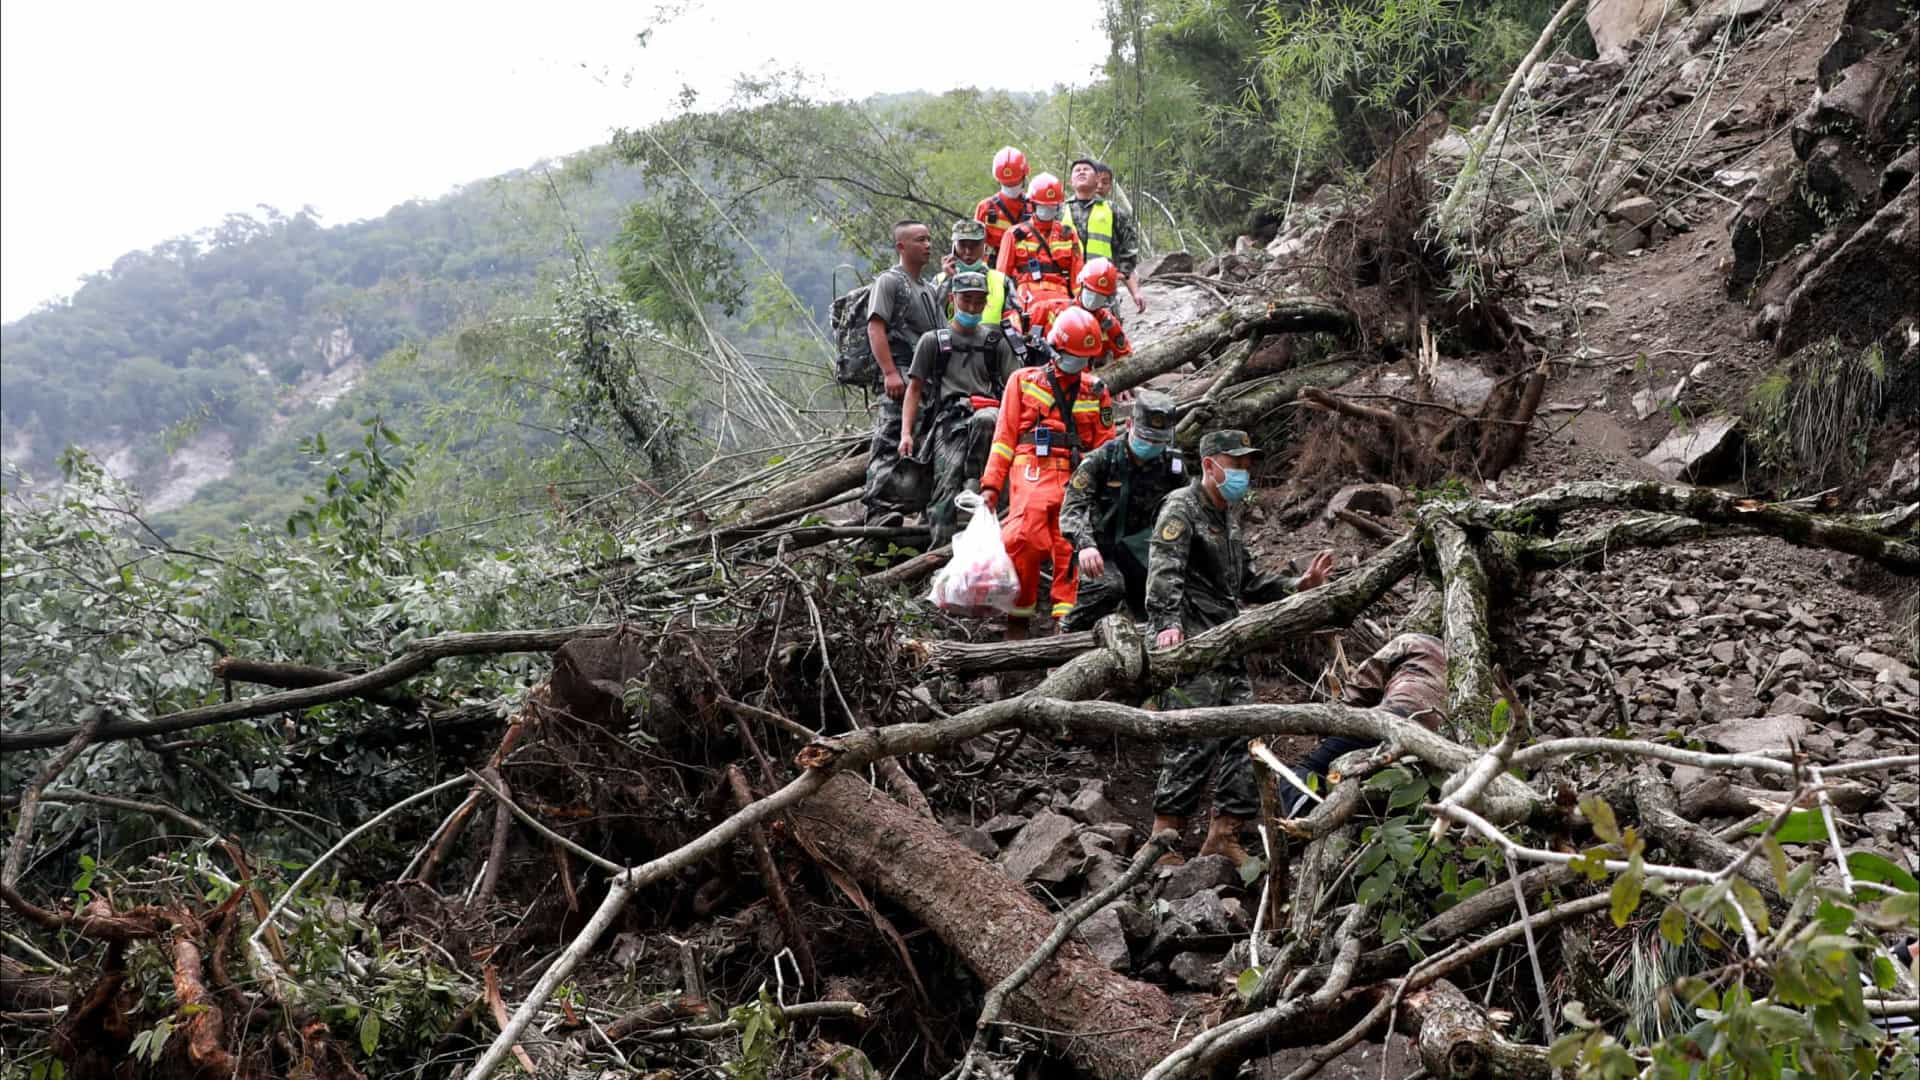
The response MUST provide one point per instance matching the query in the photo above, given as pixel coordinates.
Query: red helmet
(1009, 166)
(1046, 190)
(1076, 331)
(1100, 276)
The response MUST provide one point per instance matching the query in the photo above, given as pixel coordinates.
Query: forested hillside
(1523, 681)
(196, 368)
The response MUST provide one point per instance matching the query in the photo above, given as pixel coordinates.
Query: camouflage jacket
(1407, 675)
(1093, 515)
(1199, 570)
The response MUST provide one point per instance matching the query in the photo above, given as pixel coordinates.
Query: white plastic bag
(980, 577)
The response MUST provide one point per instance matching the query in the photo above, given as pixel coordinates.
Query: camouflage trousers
(895, 485)
(1118, 589)
(1187, 765)
(962, 438)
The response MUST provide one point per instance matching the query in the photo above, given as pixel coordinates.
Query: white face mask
(1094, 301)
(1046, 213)
(1012, 191)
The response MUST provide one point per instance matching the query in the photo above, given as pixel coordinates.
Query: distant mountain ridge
(177, 360)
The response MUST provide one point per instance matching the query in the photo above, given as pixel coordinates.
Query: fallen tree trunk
(1882, 538)
(289, 676)
(1334, 604)
(1470, 691)
(841, 476)
(1106, 1023)
(912, 570)
(1249, 404)
(418, 657)
(1293, 314)
(1455, 1038)
(1637, 530)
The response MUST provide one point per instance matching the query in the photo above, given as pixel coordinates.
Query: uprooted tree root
(690, 806)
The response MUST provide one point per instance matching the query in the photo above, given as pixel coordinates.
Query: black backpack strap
(942, 339)
(1064, 402)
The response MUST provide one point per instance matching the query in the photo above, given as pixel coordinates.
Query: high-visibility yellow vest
(1096, 237)
(996, 297)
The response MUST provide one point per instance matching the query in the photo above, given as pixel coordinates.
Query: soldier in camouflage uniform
(901, 308)
(961, 370)
(1111, 506)
(1198, 573)
(1406, 677)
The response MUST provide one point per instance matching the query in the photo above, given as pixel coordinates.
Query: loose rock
(1044, 851)
(1106, 935)
(1204, 872)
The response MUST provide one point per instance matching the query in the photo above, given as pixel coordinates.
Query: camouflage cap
(968, 229)
(969, 282)
(1229, 442)
(1154, 416)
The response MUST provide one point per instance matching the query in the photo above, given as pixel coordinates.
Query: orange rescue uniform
(1000, 213)
(1036, 484)
(1043, 261)
(1114, 337)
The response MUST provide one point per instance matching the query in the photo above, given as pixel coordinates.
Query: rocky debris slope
(1177, 927)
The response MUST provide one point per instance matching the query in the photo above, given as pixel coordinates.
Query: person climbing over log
(962, 367)
(1407, 677)
(1112, 503)
(1050, 416)
(1199, 572)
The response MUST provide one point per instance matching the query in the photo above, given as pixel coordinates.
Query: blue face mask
(1069, 364)
(1144, 450)
(968, 319)
(969, 267)
(1234, 484)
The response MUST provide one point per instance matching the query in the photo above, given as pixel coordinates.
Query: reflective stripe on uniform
(1036, 393)
(1086, 406)
(1061, 609)
(1003, 450)
(1021, 612)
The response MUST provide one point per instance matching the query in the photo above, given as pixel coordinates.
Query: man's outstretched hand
(1168, 638)
(1318, 570)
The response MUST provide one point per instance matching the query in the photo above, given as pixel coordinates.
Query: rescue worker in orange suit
(1007, 207)
(1042, 256)
(1099, 280)
(1050, 415)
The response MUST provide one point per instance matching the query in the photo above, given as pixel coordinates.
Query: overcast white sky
(123, 124)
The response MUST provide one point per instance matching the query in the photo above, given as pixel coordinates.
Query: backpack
(853, 360)
(943, 338)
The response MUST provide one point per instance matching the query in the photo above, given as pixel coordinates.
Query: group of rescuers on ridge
(987, 376)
